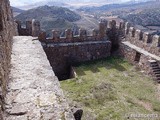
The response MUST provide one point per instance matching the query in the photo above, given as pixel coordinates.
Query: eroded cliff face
(7, 30)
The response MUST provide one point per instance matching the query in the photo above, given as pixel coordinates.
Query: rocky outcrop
(7, 30)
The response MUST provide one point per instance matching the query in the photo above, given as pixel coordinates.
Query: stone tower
(35, 28)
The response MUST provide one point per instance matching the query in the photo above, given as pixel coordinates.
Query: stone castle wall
(62, 56)
(135, 42)
(63, 52)
(130, 54)
(82, 47)
(7, 30)
(144, 40)
(32, 28)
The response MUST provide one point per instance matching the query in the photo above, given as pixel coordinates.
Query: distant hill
(143, 14)
(43, 3)
(127, 5)
(147, 17)
(51, 17)
(16, 11)
(147, 14)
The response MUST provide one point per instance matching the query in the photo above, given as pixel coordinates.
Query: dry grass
(110, 89)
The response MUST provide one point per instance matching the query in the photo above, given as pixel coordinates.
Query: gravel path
(34, 91)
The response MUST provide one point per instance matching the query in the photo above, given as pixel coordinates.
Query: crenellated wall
(136, 46)
(113, 35)
(31, 28)
(97, 35)
(7, 30)
(139, 47)
(109, 39)
(144, 40)
(63, 52)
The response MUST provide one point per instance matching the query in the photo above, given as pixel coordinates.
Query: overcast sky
(27, 2)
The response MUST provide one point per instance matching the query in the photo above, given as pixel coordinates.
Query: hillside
(51, 17)
(118, 6)
(147, 17)
(144, 14)
(16, 11)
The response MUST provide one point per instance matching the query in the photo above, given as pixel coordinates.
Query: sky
(28, 2)
(23, 2)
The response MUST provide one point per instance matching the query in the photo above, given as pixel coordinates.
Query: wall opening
(141, 36)
(63, 74)
(137, 57)
(133, 33)
(68, 71)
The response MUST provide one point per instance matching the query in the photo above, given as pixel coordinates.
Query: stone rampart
(7, 30)
(63, 52)
(140, 48)
(144, 40)
(31, 28)
(63, 55)
(97, 35)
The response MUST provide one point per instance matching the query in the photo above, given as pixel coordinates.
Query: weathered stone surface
(63, 55)
(7, 30)
(140, 48)
(97, 35)
(129, 52)
(38, 94)
(32, 28)
(144, 40)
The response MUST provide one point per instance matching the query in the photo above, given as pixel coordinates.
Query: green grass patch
(109, 89)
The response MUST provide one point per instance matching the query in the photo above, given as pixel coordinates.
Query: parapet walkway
(140, 50)
(34, 91)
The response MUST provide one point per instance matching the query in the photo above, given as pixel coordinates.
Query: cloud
(16, 3)
(23, 2)
(28, 2)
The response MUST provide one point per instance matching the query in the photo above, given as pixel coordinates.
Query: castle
(138, 47)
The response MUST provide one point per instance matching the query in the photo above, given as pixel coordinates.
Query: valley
(66, 16)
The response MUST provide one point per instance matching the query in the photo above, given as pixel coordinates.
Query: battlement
(31, 74)
(138, 35)
(62, 52)
(108, 30)
(97, 35)
(31, 28)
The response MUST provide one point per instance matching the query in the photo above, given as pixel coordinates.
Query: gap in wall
(64, 74)
(137, 57)
(69, 74)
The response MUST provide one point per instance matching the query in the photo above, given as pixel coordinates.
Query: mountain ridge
(51, 17)
(16, 11)
(115, 6)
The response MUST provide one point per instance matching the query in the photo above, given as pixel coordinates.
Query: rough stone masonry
(34, 91)
(7, 30)
(31, 91)
(63, 52)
